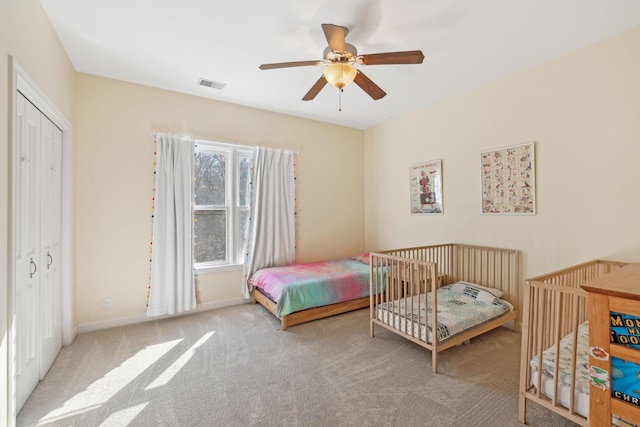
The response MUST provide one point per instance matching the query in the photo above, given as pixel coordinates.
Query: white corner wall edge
(124, 321)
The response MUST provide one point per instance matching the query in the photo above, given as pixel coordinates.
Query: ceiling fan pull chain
(340, 99)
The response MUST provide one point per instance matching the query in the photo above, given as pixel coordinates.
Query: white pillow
(496, 292)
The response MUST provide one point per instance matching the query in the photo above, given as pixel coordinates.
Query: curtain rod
(154, 133)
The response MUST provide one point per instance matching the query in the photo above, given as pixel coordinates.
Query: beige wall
(113, 152)
(25, 33)
(582, 111)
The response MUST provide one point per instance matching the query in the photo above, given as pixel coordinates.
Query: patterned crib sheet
(564, 363)
(460, 307)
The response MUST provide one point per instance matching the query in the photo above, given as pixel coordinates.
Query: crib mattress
(461, 306)
(582, 380)
(564, 363)
(580, 398)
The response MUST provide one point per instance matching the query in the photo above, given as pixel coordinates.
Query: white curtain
(172, 288)
(271, 230)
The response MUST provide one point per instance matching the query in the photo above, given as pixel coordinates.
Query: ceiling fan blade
(372, 89)
(335, 35)
(289, 64)
(315, 89)
(408, 57)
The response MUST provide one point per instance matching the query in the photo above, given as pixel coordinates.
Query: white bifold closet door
(37, 228)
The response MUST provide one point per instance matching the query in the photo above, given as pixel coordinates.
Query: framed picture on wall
(508, 180)
(425, 184)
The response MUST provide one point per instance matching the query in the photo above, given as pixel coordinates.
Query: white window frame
(233, 153)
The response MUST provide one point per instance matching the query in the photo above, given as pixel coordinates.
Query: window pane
(210, 235)
(209, 185)
(244, 174)
(243, 218)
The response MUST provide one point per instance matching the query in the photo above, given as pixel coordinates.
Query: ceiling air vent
(212, 84)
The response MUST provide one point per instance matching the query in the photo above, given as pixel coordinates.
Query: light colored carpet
(234, 367)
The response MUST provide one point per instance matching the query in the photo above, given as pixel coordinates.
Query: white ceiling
(171, 44)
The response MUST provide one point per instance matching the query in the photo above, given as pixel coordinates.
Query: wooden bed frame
(311, 313)
(554, 307)
(413, 271)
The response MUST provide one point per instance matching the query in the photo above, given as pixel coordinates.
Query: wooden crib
(554, 322)
(397, 276)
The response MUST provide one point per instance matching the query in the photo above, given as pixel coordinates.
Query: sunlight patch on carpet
(171, 371)
(106, 387)
(124, 416)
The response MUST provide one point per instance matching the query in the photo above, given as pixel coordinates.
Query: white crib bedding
(564, 364)
(580, 399)
(581, 394)
(461, 306)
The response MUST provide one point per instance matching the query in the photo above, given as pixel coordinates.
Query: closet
(37, 225)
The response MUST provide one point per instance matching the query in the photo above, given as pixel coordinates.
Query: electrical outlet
(106, 303)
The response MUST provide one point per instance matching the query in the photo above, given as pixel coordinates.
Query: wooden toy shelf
(618, 292)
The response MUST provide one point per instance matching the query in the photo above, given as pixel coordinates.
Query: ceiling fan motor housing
(349, 55)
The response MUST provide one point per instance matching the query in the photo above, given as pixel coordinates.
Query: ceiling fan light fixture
(339, 59)
(340, 75)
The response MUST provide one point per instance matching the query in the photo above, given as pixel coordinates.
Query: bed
(555, 322)
(300, 293)
(407, 283)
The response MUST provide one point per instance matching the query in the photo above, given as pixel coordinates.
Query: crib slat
(410, 272)
(555, 307)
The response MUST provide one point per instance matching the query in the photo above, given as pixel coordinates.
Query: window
(221, 187)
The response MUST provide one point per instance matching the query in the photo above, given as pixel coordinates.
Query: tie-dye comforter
(300, 286)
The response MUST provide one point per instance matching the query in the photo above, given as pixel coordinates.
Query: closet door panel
(28, 268)
(37, 236)
(51, 224)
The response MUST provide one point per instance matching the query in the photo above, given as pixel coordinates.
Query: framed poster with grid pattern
(508, 180)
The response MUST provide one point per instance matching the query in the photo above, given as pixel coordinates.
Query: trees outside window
(221, 187)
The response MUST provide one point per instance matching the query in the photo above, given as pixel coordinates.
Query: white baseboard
(122, 321)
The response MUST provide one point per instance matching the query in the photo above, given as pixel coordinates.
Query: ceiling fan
(339, 59)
